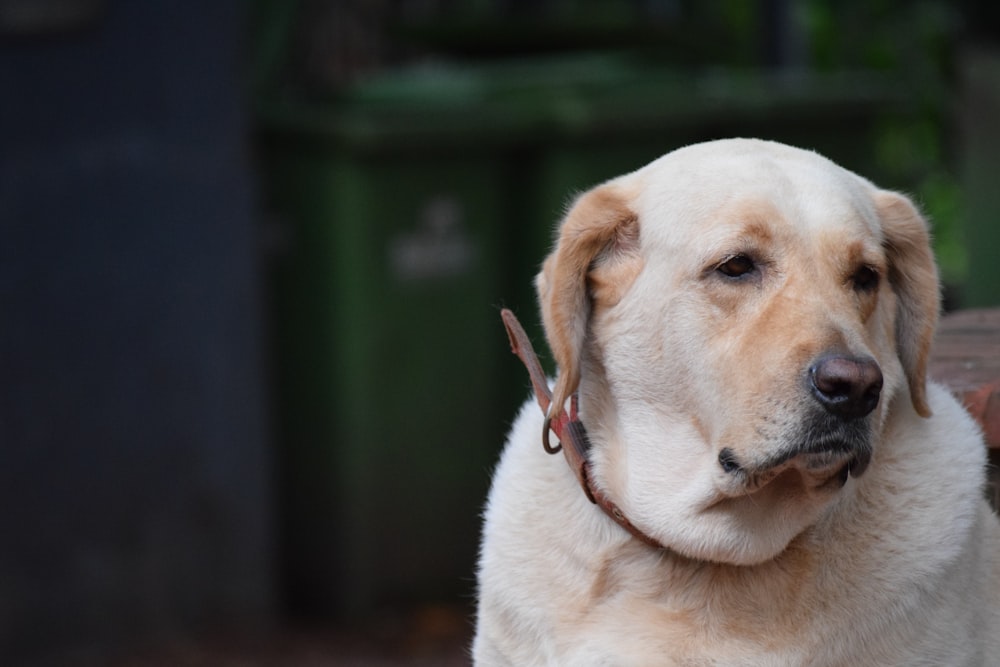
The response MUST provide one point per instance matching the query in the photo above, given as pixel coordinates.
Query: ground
(430, 636)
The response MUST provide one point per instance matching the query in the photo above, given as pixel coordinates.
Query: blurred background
(252, 374)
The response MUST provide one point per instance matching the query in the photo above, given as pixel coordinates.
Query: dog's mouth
(819, 465)
(822, 471)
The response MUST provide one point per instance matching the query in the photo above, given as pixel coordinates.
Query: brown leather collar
(568, 428)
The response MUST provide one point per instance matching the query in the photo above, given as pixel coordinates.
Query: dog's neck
(572, 434)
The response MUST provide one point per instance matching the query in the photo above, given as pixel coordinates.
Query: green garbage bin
(393, 397)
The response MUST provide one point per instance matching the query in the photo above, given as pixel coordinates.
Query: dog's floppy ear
(914, 278)
(595, 260)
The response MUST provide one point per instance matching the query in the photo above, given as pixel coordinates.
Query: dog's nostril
(727, 459)
(848, 387)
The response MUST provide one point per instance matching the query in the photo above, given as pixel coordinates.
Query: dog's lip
(857, 458)
(854, 463)
(820, 468)
(825, 454)
(859, 464)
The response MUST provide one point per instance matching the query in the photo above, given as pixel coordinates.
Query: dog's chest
(670, 635)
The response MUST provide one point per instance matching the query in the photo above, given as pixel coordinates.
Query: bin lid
(545, 100)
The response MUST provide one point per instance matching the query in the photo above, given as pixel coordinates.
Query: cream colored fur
(674, 362)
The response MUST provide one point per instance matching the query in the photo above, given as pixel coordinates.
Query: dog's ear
(914, 278)
(595, 259)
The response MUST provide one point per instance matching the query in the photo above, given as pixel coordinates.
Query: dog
(742, 331)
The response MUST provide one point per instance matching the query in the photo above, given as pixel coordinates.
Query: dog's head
(740, 318)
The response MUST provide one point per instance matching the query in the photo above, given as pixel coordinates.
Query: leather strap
(568, 428)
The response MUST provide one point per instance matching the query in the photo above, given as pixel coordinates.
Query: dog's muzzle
(834, 440)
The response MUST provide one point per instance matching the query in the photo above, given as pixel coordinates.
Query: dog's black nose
(847, 387)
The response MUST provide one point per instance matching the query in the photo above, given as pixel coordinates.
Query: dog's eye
(736, 266)
(865, 279)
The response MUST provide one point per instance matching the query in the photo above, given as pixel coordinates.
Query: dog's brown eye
(865, 279)
(736, 266)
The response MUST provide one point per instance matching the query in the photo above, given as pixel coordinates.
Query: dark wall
(134, 470)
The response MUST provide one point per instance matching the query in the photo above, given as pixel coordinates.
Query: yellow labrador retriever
(769, 478)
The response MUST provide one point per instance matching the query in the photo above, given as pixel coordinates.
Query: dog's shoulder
(539, 534)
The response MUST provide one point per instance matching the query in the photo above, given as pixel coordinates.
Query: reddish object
(966, 359)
